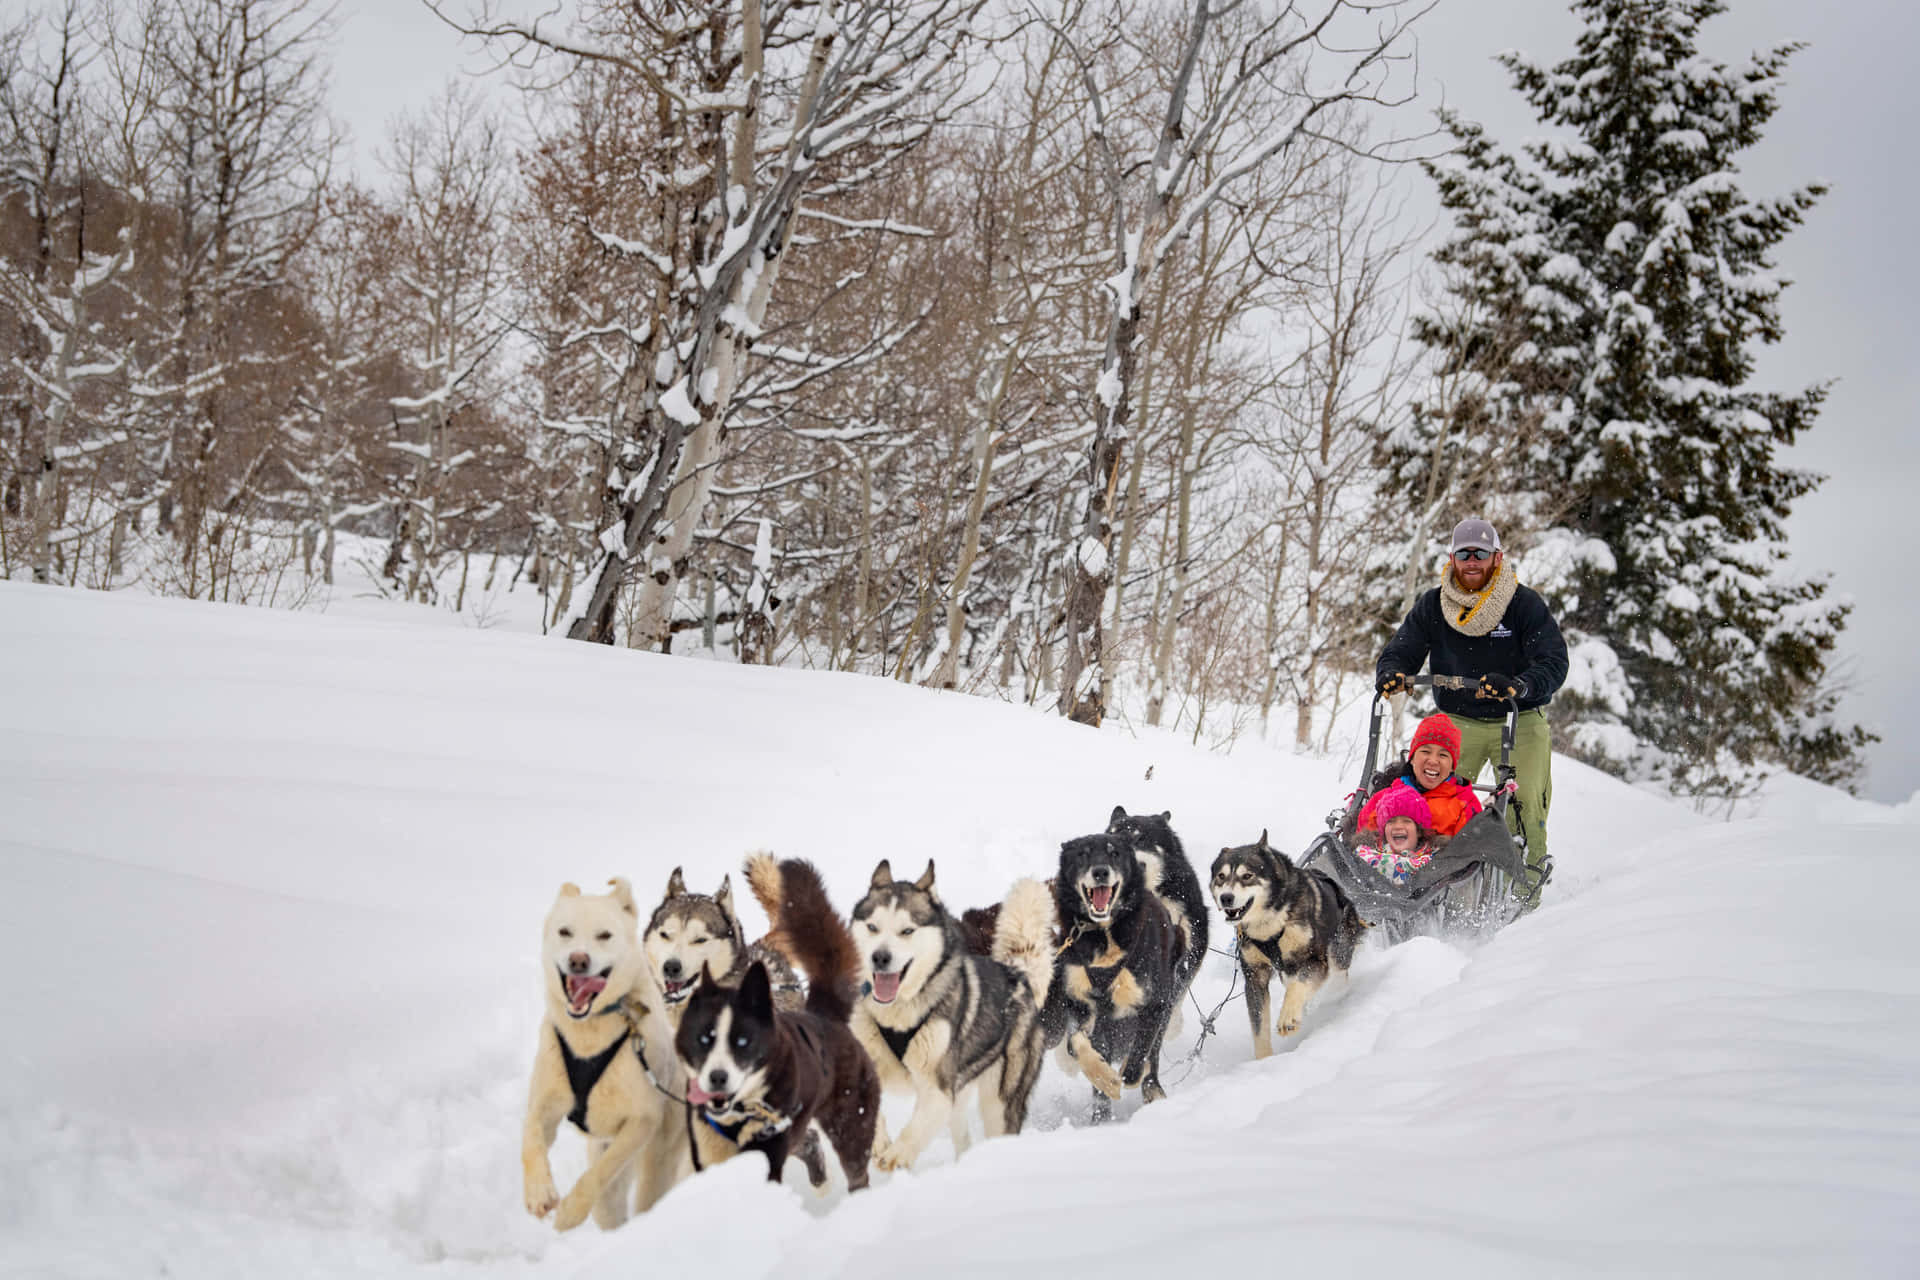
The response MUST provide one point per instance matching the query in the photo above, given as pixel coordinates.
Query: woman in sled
(1428, 773)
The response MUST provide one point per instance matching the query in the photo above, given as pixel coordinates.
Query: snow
(1093, 556)
(270, 887)
(675, 404)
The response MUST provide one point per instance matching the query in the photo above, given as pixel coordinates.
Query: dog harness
(1268, 947)
(584, 1073)
(898, 1040)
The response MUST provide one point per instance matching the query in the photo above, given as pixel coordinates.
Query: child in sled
(1403, 841)
(1429, 775)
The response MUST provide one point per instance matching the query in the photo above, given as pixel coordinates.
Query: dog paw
(1287, 1026)
(894, 1157)
(1104, 1078)
(573, 1211)
(1150, 1091)
(541, 1195)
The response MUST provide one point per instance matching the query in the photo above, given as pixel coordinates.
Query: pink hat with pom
(1402, 801)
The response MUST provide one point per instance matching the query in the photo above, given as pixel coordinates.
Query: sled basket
(1474, 884)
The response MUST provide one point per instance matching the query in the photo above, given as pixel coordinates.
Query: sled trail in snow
(270, 893)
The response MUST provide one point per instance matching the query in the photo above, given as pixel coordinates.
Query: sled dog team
(676, 1044)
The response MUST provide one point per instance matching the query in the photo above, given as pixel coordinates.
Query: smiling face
(1403, 834)
(690, 932)
(1098, 876)
(1474, 575)
(726, 1039)
(1240, 883)
(1432, 764)
(590, 947)
(901, 934)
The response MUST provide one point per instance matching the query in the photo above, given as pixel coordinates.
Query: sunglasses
(1472, 553)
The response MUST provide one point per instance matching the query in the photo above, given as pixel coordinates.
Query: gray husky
(1298, 922)
(944, 1023)
(691, 932)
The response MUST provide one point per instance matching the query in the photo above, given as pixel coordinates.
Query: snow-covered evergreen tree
(1606, 287)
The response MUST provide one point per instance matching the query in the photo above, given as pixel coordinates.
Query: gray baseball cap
(1474, 533)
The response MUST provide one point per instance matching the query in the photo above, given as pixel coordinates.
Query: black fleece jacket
(1525, 643)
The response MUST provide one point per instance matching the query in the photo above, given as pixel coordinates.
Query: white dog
(605, 1062)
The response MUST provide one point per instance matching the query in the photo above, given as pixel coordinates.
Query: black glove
(1393, 682)
(1500, 687)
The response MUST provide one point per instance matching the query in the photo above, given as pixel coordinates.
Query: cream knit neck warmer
(1471, 614)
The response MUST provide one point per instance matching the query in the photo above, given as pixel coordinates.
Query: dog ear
(882, 875)
(925, 882)
(1278, 863)
(1166, 816)
(1118, 816)
(623, 894)
(723, 896)
(676, 884)
(1264, 846)
(756, 991)
(569, 890)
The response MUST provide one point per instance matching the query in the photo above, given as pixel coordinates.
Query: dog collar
(731, 1132)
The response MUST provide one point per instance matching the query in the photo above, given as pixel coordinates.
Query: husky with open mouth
(605, 1062)
(757, 1077)
(690, 932)
(1114, 983)
(1297, 922)
(1169, 873)
(944, 1023)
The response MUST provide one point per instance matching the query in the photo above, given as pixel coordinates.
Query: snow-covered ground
(270, 893)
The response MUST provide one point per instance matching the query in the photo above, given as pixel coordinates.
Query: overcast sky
(1845, 118)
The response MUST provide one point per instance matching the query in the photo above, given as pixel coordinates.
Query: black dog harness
(1270, 948)
(898, 1040)
(584, 1073)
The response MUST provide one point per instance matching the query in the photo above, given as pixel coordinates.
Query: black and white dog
(1114, 983)
(758, 1076)
(1297, 922)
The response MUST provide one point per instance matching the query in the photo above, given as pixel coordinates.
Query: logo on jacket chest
(1501, 632)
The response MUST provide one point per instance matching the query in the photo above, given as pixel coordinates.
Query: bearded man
(1480, 623)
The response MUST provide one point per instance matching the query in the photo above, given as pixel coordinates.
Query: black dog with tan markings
(1114, 983)
(1297, 922)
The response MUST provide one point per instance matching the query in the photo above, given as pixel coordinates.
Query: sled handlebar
(1503, 770)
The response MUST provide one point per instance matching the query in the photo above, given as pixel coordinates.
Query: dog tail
(806, 927)
(1023, 935)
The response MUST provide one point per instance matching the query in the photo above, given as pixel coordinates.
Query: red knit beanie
(1441, 732)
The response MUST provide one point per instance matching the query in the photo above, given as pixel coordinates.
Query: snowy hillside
(270, 894)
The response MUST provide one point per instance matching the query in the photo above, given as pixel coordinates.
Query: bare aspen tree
(57, 293)
(1032, 270)
(241, 149)
(1347, 390)
(1223, 273)
(771, 96)
(345, 281)
(1152, 205)
(450, 269)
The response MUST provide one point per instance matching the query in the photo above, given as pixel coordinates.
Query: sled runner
(1476, 881)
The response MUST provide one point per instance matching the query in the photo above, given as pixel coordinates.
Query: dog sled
(1475, 883)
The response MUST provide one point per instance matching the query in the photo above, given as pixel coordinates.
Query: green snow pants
(1532, 766)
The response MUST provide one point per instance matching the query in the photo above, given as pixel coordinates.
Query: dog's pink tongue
(1100, 897)
(697, 1096)
(584, 987)
(885, 987)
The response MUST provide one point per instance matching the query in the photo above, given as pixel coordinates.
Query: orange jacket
(1451, 800)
